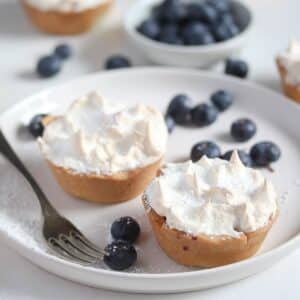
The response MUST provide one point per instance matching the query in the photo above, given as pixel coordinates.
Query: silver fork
(60, 234)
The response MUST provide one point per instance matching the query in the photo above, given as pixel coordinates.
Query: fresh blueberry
(149, 28)
(63, 51)
(36, 127)
(244, 157)
(243, 130)
(221, 32)
(204, 114)
(170, 39)
(119, 255)
(238, 68)
(210, 149)
(222, 6)
(222, 100)
(264, 153)
(125, 228)
(233, 30)
(170, 123)
(180, 109)
(117, 62)
(172, 11)
(202, 12)
(226, 18)
(169, 29)
(196, 33)
(48, 66)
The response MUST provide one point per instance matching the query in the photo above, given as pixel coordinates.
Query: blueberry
(204, 114)
(210, 149)
(149, 28)
(125, 228)
(222, 100)
(170, 39)
(48, 66)
(196, 33)
(243, 130)
(233, 30)
(226, 18)
(222, 6)
(117, 62)
(244, 157)
(119, 255)
(264, 153)
(202, 12)
(180, 109)
(172, 11)
(169, 29)
(221, 32)
(63, 51)
(36, 127)
(170, 123)
(238, 68)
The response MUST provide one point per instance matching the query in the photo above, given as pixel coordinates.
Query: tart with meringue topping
(212, 212)
(102, 151)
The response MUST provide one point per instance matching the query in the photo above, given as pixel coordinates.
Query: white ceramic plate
(20, 218)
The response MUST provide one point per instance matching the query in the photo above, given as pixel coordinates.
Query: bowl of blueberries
(188, 33)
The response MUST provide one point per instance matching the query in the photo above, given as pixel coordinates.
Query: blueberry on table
(244, 157)
(119, 255)
(149, 28)
(222, 100)
(204, 114)
(180, 109)
(243, 130)
(264, 153)
(210, 149)
(170, 123)
(63, 51)
(238, 68)
(117, 62)
(125, 228)
(48, 66)
(36, 126)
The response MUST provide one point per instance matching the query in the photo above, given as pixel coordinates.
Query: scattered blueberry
(48, 66)
(117, 62)
(180, 109)
(204, 114)
(242, 130)
(170, 123)
(210, 149)
(264, 153)
(150, 28)
(238, 68)
(36, 127)
(119, 255)
(222, 100)
(63, 51)
(244, 157)
(126, 229)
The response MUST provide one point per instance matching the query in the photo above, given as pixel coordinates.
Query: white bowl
(186, 56)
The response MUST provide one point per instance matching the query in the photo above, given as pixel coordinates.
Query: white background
(20, 46)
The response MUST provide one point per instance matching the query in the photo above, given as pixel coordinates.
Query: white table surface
(20, 46)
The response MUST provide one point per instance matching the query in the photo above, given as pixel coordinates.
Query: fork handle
(10, 155)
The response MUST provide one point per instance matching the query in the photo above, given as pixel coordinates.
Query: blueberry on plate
(238, 68)
(149, 28)
(119, 255)
(117, 62)
(48, 66)
(126, 229)
(170, 123)
(210, 149)
(180, 109)
(243, 130)
(204, 114)
(264, 153)
(222, 100)
(221, 6)
(63, 51)
(36, 126)
(196, 33)
(244, 157)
